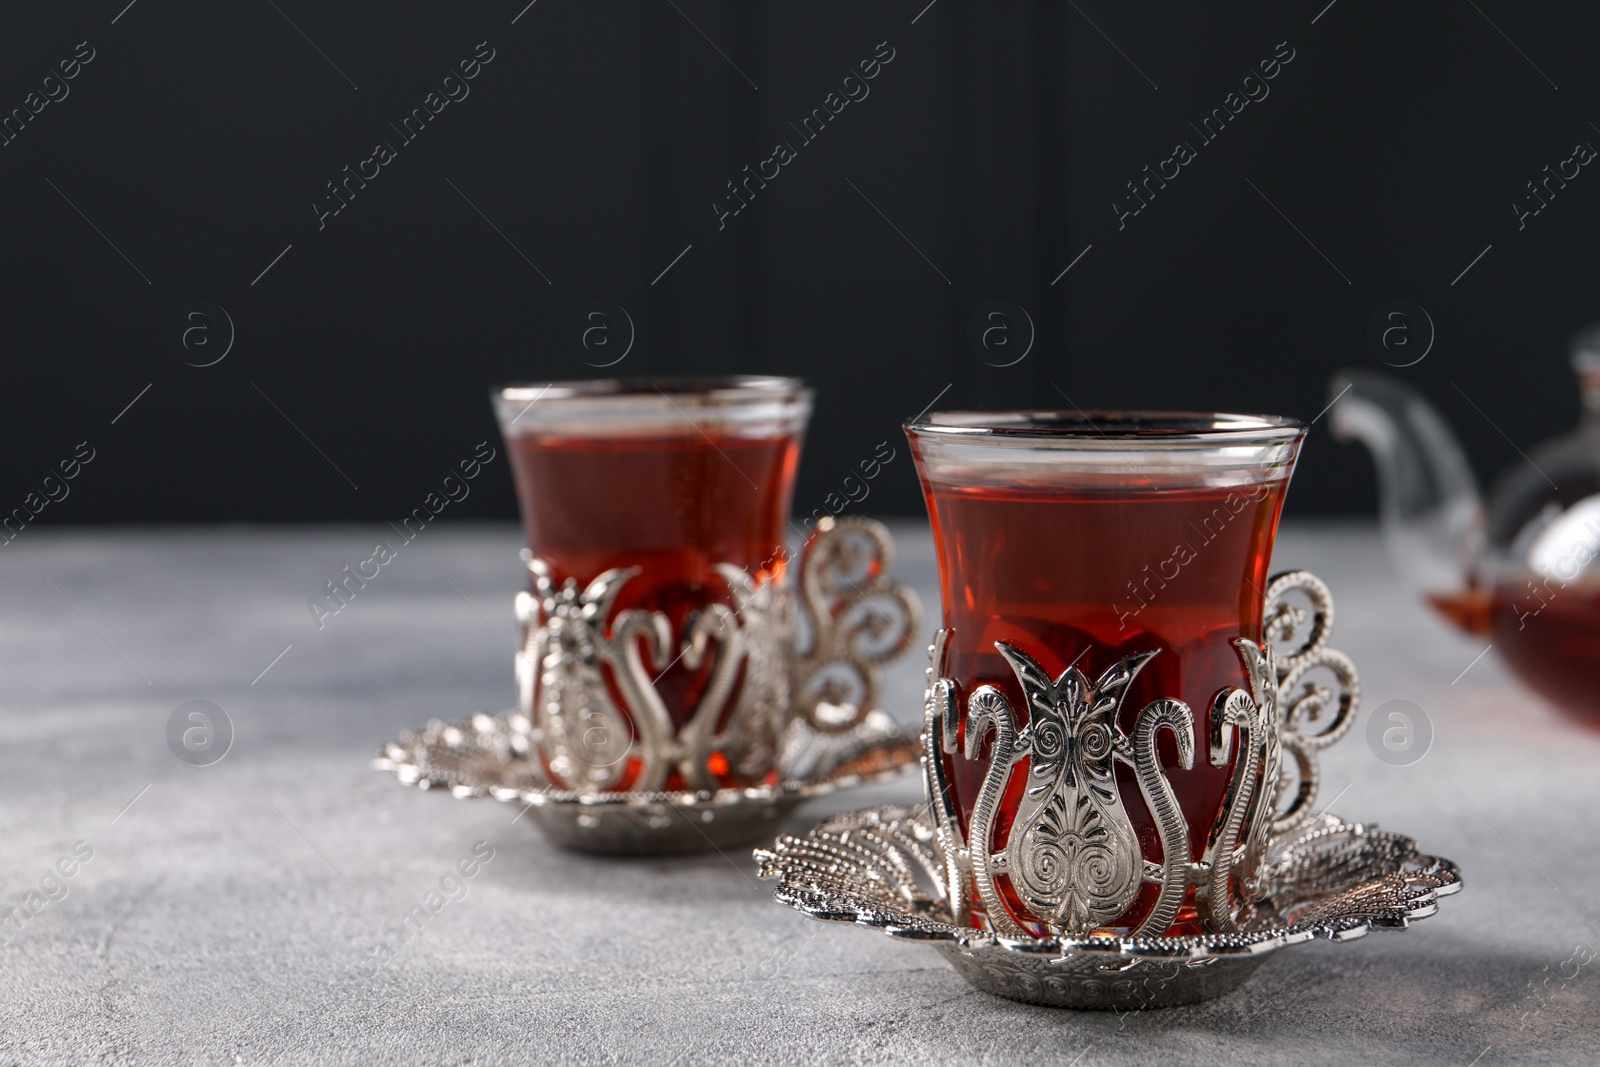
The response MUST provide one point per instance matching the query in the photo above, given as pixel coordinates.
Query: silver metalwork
(886, 868)
(489, 756)
(844, 587)
(1072, 855)
(789, 702)
(1312, 716)
(567, 651)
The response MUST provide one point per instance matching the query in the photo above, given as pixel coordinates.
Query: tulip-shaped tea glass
(655, 515)
(1103, 734)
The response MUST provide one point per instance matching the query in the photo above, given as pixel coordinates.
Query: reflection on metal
(886, 868)
(759, 679)
(1072, 857)
(786, 712)
(488, 756)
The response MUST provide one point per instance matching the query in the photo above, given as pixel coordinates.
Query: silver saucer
(488, 755)
(883, 867)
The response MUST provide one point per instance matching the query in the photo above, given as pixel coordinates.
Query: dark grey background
(985, 160)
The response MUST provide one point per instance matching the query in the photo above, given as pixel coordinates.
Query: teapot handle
(1429, 505)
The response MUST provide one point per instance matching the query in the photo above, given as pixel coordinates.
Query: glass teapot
(1522, 570)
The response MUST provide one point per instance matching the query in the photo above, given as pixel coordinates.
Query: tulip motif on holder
(1072, 856)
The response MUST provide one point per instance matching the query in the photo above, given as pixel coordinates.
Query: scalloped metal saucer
(883, 868)
(489, 756)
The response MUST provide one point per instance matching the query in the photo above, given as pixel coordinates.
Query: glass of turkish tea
(655, 514)
(1080, 540)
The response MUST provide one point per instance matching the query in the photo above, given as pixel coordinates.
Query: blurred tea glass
(674, 495)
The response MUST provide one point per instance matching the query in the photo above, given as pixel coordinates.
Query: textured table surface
(228, 913)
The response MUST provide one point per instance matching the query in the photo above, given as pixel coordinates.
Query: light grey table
(228, 913)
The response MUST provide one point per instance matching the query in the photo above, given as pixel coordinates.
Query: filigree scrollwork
(1311, 715)
(1076, 860)
(1071, 855)
(560, 682)
(855, 620)
(589, 742)
(757, 684)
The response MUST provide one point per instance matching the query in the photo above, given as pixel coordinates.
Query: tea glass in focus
(1102, 578)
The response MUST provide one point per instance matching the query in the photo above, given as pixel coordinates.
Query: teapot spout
(1429, 507)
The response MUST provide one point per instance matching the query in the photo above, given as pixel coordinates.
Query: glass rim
(1104, 428)
(716, 388)
(743, 405)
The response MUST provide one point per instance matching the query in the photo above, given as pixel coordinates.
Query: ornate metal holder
(884, 867)
(1071, 854)
(489, 756)
(789, 704)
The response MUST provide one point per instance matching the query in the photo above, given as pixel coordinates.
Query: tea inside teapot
(1523, 571)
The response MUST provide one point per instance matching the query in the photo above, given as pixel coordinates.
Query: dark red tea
(673, 505)
(1547, 632)
(1089, 576)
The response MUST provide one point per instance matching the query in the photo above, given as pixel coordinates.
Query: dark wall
(1382, 157)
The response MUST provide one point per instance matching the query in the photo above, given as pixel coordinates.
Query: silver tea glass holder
(791, 703)
(1273, 873)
